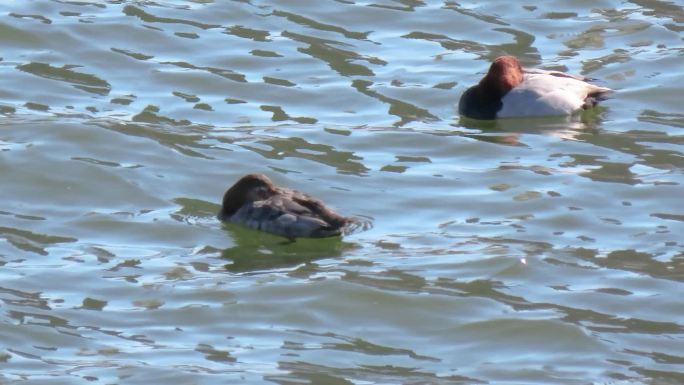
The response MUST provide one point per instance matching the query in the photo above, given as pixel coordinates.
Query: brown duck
(254, 201)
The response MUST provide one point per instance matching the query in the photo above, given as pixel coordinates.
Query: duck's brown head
(250, 188)
(503, 75)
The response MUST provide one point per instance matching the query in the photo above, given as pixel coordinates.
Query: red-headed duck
(508, 91)
(254, 201)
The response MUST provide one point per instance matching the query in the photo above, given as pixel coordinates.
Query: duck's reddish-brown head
(250, 188)
(503, 75)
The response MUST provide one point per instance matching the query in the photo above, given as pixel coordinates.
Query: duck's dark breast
(474, 105)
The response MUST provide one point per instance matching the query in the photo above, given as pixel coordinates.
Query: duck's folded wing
(318, 209)
(256, 214)
(283, 217)
(293, 225)
(594, 89)
(555, 73)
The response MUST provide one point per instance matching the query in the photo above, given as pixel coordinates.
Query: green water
(543, 251)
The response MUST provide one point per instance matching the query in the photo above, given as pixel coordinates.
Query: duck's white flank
(547, 93)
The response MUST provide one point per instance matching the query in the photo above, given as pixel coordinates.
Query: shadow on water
(255, 250)
(588, 120)
(510, 132)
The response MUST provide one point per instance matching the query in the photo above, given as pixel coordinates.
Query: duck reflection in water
(255, 250)
(512, 132)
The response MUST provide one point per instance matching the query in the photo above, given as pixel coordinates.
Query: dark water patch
(93, 304)
(86, 82)
(559, 15)
(131, 10)
(613, 291)
(39, 319)
(37, 106)
(278, 81)
(12, 36)
(587, 318)
(203, 106)
(522, 46)
(264, 53)
(23, 216)
(213, 354)
(660, 377)
(22, 298)
(181, 142)
(321, 374)
(151, 115)
(447, 42)
(235, 101)
(187, 97)
(32, 242)
(472, 13)
(393, 168)
(5, 110)
(281, 148)
(618, 56)
(412, 159)
(104, 162)
(40, 18)
(405, 111)
(675, 27)
(280, 115)
(134, 55)
(195, 208)
(445, 86)
(187, 35)
(660, 9)
(613, 173)
(658, 357)
(357, 345)
(339, 60)
(638, 262)
(666, 119)
(400, 5)
(304, 21)
(672, 217)
(224, 73)
(248, 33)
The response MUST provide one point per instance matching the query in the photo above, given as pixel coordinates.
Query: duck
(508, 90)
(256, 202)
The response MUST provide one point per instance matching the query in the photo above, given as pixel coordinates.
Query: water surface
(543, 251)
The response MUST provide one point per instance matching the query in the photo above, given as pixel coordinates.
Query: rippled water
(543, 251)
